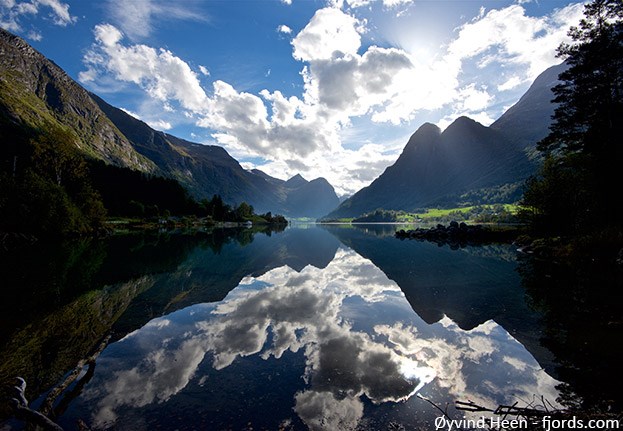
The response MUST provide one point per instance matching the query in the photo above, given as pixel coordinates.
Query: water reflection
(471, 286)
(582, 304)
(60, 300)
(332, 346)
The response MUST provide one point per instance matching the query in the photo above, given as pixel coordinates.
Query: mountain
(207, 170)
(310, 198)
(37, 95)
(534, 108)
(467, 163)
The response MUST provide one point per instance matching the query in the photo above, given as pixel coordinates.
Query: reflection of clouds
(323, 411)
(162, 374)
(295, 315)
(476, 364)
(352, 364)
(283, 310)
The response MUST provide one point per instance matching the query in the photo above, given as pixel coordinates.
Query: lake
(313, 327)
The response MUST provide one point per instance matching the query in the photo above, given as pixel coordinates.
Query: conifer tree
(584, 151)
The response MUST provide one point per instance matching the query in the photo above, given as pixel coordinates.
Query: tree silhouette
(573, 192)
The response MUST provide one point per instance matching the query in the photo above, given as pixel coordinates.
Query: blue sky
(329, 88)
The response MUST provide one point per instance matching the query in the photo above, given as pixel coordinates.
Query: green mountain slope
(35, 95)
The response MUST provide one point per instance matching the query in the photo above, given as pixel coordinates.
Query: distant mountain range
(36, 94)
(467, 163)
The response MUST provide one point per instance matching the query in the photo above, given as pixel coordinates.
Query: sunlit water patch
(332, 348)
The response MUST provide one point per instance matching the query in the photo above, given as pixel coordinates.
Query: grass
(439, 213)
(447, 214)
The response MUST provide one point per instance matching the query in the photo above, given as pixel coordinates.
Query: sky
(323, 88)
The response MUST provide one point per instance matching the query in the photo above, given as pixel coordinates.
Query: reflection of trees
(355, 356)
(582, 306)
(60, 299)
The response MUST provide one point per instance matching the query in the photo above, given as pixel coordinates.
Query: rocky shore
(458, 235)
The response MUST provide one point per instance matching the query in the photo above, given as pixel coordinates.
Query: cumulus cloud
(161, 74)
(294, 129)
(284, 29)
(343, 81)
(353, 85)
(508, 35)
(330, 33)
(13, 12)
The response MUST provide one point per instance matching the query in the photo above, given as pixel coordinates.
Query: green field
(495, 213)
(441, 213)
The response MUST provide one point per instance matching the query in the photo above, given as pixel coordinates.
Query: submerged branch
(48, 404)
(25, 413)
(42, 418)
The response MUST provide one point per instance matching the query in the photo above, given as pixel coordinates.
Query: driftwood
(25, 413)
(48, 404)
(506, 410)
(46, 413)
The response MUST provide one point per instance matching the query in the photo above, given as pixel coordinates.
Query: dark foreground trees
(49, 189)
(579, 186)
(50, 194)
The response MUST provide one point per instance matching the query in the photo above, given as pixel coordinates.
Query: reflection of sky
(361, 344)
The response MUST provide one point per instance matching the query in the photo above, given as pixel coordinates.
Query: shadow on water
(582, 305)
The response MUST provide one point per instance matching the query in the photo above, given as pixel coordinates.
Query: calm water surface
(316, 327)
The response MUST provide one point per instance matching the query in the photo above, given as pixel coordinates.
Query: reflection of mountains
(56, 311)
(207, 276)
(470, 286)
(238, 363)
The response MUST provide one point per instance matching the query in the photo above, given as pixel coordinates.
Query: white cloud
(34, 35)
(60, 11)
(508, 35)
(386, 3)
(511, 83)
(204, 70)
(162, 75)
(160, 125)
(330, 33)
(137, 18)
(343, 83)
(13, 12)
(473, 99)
(284, 29)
